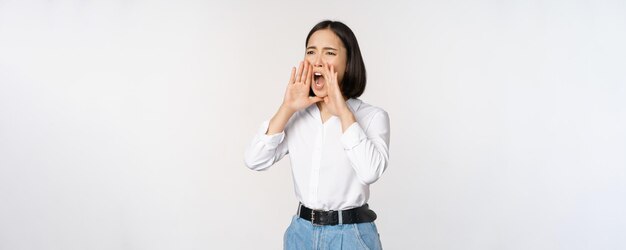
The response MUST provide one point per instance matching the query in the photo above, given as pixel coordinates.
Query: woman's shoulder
(371, 116)
(362, 107)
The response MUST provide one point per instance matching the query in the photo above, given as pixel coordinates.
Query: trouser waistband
(350, 216)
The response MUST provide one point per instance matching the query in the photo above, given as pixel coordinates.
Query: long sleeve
(368, 150)
(265, 150)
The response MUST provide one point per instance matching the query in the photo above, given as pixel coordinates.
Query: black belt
(350, 216)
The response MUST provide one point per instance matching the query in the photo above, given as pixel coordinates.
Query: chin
(321, 95)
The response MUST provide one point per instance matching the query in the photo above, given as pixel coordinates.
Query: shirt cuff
(271, 141)
(353, 136)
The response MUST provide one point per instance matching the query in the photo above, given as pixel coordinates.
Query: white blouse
(331, 170)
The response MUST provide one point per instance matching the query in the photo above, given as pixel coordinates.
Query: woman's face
(324, 47)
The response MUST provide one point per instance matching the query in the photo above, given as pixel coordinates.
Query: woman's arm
(265, 150)
(279, 121)
(296, 97)
(268, 145)
(368, 149)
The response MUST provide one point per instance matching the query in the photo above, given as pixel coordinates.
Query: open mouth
(318, 80)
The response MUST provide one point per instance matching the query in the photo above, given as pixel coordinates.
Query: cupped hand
(334, 101)
(297, 93)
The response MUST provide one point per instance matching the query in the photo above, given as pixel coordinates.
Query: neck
(322, 105)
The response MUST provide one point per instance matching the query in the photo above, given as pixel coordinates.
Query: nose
(317, 61)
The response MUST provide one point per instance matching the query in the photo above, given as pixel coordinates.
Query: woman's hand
(297, 93)
(335, 101)
(296, 98)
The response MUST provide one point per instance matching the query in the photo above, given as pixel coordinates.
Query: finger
(315, 99)
(333, 74)
(309, 76)
(299, 73)
(336, 84)
(327, 66)
(293, 75)
(305, 72)
(325, 71)
(331, 78)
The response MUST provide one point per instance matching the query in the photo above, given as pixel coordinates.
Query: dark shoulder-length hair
(353, 83)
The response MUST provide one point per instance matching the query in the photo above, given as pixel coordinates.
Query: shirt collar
(354, 104)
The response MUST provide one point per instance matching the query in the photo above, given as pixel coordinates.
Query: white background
(123, 123)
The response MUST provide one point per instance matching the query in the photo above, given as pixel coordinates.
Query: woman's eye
(330, 53)
(310, 52)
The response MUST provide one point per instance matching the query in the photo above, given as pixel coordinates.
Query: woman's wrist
(286, 110)
(347, 119)
(278, 122)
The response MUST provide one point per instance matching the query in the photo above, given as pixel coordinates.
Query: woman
(338, 144)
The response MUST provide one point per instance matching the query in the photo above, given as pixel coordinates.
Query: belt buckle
(313, 218)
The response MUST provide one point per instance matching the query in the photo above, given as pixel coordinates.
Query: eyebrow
(326, 48)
